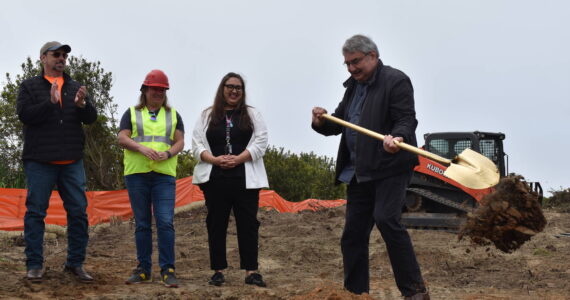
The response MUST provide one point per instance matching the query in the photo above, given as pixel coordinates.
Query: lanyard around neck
(229, 125)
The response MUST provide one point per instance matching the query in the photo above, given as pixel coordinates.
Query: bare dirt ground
(300, 259)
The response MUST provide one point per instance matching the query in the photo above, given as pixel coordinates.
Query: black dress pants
(222, 196)
(378, 202)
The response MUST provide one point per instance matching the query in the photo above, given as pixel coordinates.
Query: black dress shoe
(79, 273)
(35, 275)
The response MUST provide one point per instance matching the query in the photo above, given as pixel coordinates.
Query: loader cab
(449, 144)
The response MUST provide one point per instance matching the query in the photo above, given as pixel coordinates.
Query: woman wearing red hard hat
(152, 134)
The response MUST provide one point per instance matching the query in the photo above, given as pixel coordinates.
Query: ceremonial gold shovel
(469, 168)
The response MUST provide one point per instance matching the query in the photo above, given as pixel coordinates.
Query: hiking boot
(139, 276)
(168, 278)
(35, 275)
(217, 279)
(79, 273)
(255, 278)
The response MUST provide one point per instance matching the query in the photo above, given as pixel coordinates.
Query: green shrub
(297, 177)
(186, 163)
(560, 200)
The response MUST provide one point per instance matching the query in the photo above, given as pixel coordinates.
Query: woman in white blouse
(230, 140)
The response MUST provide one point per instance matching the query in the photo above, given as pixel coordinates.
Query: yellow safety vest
(158, 135)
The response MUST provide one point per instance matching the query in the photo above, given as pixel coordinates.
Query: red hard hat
(156, 78)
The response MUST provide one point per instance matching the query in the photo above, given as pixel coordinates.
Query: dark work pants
(223, 195)
(378, 202)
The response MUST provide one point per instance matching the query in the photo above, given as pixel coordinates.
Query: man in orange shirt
(53, 107)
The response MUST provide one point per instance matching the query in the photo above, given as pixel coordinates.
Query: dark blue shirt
(350, 135)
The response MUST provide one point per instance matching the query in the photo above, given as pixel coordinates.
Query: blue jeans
(153, 192)
(41, 178)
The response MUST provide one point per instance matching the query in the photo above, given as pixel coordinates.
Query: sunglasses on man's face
(58, 54)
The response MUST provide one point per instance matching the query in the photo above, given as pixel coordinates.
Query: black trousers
(222, 196)
(378, 202)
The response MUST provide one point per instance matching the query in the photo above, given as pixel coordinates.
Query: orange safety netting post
(104, 205)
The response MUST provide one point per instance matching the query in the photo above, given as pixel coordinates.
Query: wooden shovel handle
(379, 136)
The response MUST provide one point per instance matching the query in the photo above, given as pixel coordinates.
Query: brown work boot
(79, 273)
(419, 296)
(35, 275)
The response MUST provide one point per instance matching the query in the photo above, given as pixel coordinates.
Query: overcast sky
(475, 65)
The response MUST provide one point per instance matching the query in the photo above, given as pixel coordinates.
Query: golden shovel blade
(473, 170)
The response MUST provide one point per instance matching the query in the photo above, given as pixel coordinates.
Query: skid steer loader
(434, 201)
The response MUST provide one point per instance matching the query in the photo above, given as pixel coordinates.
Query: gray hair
(360, 43)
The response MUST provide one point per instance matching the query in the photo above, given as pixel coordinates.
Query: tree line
(293, 176)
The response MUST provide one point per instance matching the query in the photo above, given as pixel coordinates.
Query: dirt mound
(508, 217)
(299, 258)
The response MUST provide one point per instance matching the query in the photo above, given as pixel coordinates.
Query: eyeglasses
(232, 87)
(152, 115)
(58, 54)
(355, 61)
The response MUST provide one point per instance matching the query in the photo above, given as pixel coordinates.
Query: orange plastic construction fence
(103, 205)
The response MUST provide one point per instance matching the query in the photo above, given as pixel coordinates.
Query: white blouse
(255, 175)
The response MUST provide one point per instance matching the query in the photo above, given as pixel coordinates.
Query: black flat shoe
(217, 279)
(255, 278)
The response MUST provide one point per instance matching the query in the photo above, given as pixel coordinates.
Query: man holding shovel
(379, 98)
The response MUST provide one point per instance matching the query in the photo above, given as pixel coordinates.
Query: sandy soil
(300, 259)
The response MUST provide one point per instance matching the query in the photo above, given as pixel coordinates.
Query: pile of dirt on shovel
(508, 217)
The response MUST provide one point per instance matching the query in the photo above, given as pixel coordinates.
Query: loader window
(439, 147)
(489, 149)
(448, 148)
(461, 145)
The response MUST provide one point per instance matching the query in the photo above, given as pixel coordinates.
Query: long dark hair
(218, 113)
